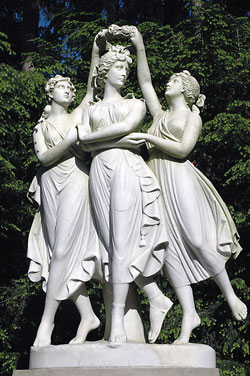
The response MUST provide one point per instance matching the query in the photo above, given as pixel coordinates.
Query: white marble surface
(124, 371)
(104, 354)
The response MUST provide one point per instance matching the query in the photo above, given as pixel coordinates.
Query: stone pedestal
(124, 371)
(133, 359)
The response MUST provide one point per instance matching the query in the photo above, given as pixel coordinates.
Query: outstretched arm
(119, 142)
(144, 76)
(123, 142)
(181, 149)
(130, 124)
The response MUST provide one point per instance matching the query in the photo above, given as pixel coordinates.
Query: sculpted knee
(59, 253)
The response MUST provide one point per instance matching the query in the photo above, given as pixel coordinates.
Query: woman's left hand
(82, 132)
(137, 137)
(136, 38)
(71, 136)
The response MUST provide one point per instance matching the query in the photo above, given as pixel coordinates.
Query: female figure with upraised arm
(202, 235)
(63, 245)
(124, 195)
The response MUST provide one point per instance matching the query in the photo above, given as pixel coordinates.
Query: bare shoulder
(38, 137)
(75, 116)
(158, 114)
(139, 104)
(194, 119)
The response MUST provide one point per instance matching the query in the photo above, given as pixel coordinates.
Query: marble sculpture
(124, 221)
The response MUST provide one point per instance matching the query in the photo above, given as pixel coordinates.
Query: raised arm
(90, 89)
(130, 124)
(144, 76)
(46, 156)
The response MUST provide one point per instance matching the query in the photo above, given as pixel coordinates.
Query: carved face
(62, 93)
(118, 74)
(174, 87)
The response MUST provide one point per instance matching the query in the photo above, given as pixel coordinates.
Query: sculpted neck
(177, 103)
(111, 93)
(58, 109)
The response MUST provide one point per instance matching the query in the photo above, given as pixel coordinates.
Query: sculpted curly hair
(115, 53)
(191, 90)
(51, 83)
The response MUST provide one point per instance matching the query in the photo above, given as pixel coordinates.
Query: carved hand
(129, 140)
(72, 135)
(136, 138)
(82, 132)
(95, 49)
(136, 39)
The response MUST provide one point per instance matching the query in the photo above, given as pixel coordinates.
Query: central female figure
(124, 195)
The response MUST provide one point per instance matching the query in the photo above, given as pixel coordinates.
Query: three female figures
(137, 234)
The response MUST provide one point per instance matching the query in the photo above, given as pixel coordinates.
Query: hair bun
(201, 100)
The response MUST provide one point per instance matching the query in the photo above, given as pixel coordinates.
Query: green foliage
(217, 56)
(15, 307)
(5, 45)
(229, 368)
(19, 109)
(215, 49)
(224, 154)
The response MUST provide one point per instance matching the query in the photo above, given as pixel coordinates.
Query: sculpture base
(102, 358)
(125, 371)
(105, 354)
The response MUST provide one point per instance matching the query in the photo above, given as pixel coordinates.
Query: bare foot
(118, 337)
(43, 337)
(189, 322)
(117, 333)
(84, 328)
(239, 309)
(159, 307)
